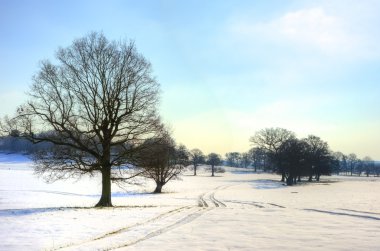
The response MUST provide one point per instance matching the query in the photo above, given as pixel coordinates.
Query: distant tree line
(278, 150)
(275, 150)
(264, 156)
(352, 165)
(15, 143)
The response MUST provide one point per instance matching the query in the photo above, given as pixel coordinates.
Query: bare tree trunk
(195, 170)
(105, 200)
(159, 186)
(265, 165)
(289, 180)
(212, 170)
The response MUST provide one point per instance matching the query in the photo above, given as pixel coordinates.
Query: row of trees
(197, 158)
(273, 144)
(256, 157)
(159, 158)
(352, 165)
(162, 160)
(294, 158)
(279, 150)
(14, 143)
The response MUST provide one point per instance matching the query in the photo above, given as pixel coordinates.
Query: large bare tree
(95, 104)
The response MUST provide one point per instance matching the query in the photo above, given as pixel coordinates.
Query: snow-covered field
(234, 211)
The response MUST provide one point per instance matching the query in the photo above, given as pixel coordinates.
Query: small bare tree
(196, 157)
(96, 106)
(352, 161)
(161, 160)
(369, 165)
(258, 158)
(213, 159)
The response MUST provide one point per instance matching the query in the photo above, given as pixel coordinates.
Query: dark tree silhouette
(318, 156)
(213, 160)
(369, 165)
(196, 157)
(291, 155)
(341, 164)
(258, 158)
(352, 161)
(245, 160)
(233, 159)
(161, 160)
(270, 140)
(306, 157)
(96, 105)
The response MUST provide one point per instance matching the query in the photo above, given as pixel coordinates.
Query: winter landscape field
(131, 107)
(236, 210)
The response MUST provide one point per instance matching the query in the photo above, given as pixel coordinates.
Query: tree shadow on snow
(114, 194)
(129, 194)
(29, 211)
(343, 214)
(263, 183)
(267, 184)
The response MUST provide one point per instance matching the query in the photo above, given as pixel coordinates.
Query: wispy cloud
(312, 29)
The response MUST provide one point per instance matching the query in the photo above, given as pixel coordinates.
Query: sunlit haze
(226, 68)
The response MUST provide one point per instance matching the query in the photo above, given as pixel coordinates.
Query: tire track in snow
(120, 230)
(201, 201)
(251, 203)
(275, 205)
(140, 232)
(217, 203)
(255, 204)
(211, 197)
(155, 226)
(343, 214)
(189, 218)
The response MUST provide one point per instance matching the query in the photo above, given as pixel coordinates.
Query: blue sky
(227, 68)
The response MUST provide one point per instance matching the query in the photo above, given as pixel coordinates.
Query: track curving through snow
(155, 226)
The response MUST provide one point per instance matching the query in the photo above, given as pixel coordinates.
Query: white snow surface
(236, 210)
